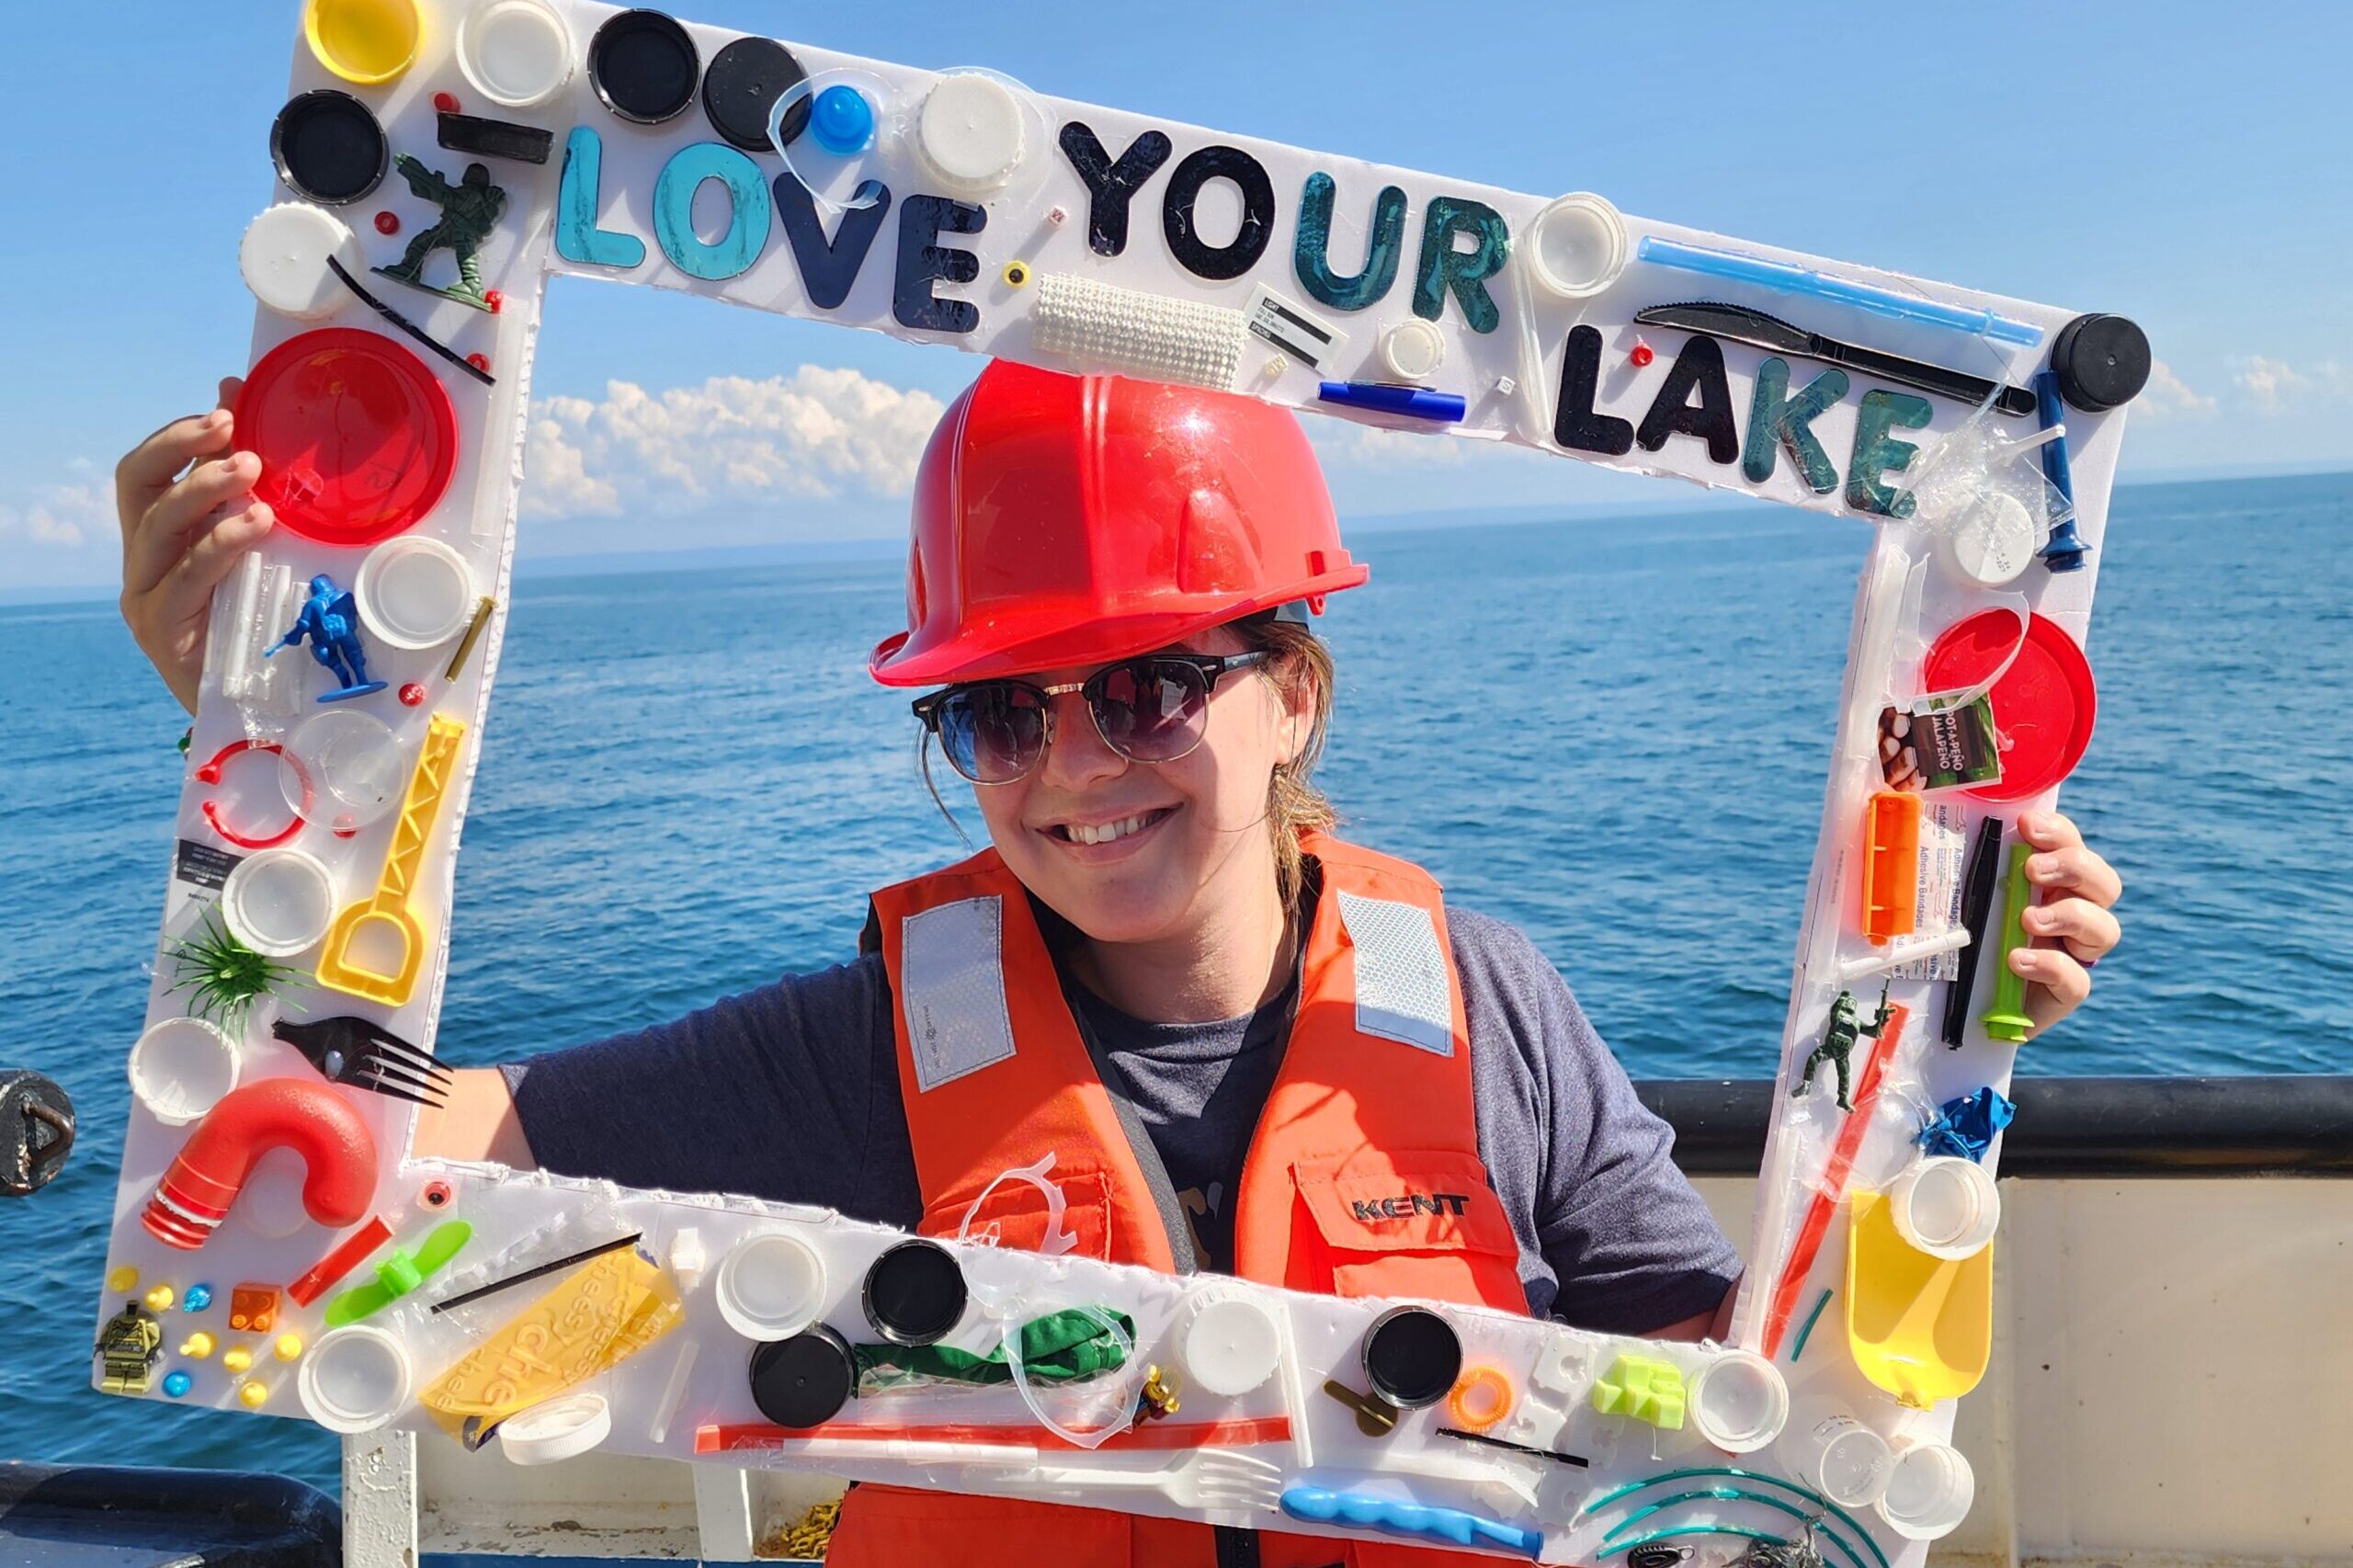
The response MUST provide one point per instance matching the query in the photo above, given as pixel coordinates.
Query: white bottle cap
(969, 133)
(770, 1287)
(278, 902)
(1231, 1344)
(1990, 544)
(1928, 1491)
(558, 1429)
(516, 53)
(284, 259)
(414, 593)
(1839, 1456)
(1945, 1206)
(1412, 349)
(1739, 1402)
(355, 1379)
(181, 1068)
(1577, 247)
(342, 770)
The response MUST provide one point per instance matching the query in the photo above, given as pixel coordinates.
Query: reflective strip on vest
(952, 990)
(1400, 975)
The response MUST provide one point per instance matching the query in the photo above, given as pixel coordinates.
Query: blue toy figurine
(330, 618)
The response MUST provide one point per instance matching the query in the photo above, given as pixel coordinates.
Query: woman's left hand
(2078, 891)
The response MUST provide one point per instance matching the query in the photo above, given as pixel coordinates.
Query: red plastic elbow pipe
(338, 1159)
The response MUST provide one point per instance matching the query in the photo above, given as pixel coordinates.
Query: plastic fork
(362, 1054)
(1206, 1480)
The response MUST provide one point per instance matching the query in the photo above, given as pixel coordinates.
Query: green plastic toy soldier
(1838, 1042)
(470, 213)
(132, 1342)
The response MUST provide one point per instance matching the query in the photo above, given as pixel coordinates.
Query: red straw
(1834, 1181)
(341, 1261)
(1236, 1433)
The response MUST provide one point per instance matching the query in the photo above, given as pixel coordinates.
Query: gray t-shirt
(790, 1093)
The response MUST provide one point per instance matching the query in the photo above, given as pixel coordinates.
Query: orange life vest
(1371, 1106)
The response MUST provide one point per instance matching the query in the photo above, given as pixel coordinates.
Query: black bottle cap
(328, 147)
(2102, 362)
(1411, 1356)
(804, 1382)
(915, 1293)
(742, 86)
(644, 65)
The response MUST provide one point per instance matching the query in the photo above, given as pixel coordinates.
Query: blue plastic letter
(921, 220)
(828, 267)
(1311, 257)
(1777, 420)
(1442, 267)
(748, 212)
(1877, 452)
(577, 238)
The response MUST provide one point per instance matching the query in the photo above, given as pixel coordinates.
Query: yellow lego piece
(1641, 1388)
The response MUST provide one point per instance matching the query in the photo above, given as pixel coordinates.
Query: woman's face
(1136, 851)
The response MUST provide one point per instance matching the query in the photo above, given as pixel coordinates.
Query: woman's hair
(1294, 805)
(1293, 802)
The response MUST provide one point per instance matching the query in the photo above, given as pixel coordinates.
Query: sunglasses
(1154, 709)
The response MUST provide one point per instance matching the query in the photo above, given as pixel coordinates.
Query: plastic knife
(1745, 325)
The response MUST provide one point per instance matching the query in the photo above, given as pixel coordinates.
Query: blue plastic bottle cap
(841, 121)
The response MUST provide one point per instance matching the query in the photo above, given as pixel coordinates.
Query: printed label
(1937, 905)
(203, 865)
(1291, 328)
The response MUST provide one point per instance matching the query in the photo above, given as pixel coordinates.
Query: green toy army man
(1838, 1041)
(470, 213)
(131, 1342)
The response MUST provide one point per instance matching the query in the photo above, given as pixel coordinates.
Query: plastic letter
(1111, 186)
(1776, 420)
(1877, 452)
(577, 238)
(1311, 257)
(1444, 269)
(1238, 255)
(828, 267)
(1700, 366)
(673, 212)
(1577, 425)
(921, 220)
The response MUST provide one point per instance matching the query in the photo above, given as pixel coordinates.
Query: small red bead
(388, 222)
(1640, 356)
(495, 299)
(411, 695)
(479, 362)
(445, 102)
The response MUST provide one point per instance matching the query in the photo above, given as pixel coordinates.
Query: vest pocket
(1017, 1215)
(1405, 1222)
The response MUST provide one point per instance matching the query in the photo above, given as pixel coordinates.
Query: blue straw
(1732, 266)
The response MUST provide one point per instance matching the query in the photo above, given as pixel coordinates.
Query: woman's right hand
(182, 532)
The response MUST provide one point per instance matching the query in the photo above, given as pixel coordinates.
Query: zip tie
(406, 326)
(1798, 1349)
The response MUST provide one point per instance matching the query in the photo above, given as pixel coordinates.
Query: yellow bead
(198, 1345)
(122, 1281)
(237, 1360)
(253, 1394)
(160, 1299)
(288, 1346)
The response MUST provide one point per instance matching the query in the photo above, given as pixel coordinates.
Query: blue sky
(2182, 163)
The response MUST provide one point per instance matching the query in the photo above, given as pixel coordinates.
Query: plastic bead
(412, 695)
(388, 222)
(479, 361)
(289, 1347)
(239, 1359)
(446, 103)
(495, 299)
(196, 1347)
(198, 1297)
(1641, 355)
(160, 1299)
(122, 1281)
(176, 1384)
(253, 1394)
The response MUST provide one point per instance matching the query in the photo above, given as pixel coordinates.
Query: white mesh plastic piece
(1402, 988)
(1120, 329)
(952, 972)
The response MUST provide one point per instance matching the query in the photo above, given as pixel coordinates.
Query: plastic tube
(338, 1159)
(2006, 1020)
(1735, 267)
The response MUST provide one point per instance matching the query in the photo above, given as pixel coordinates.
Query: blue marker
(2064, 552)
(1380, 397)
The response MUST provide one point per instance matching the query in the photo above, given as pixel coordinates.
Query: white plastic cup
(1739, 1402)
(1231, 1344)
(355, 1379)
(1577, 247)
(414, 593)
(278, 902)
(180, 1068)
(343, 769)
(1837, 1455)
(770, 1287)
(1945, 1206)
(515, 52)
(1928, 1492)
(557, 1429)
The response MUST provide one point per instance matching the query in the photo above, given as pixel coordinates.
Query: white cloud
(2268, 383)
(812, 435)
(60, 514)
(2167, 394)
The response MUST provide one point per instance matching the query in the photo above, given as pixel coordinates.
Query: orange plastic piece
(253, 1309)
(1891, 865)
(1482, 1398)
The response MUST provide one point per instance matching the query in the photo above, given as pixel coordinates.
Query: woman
(1247, 1045)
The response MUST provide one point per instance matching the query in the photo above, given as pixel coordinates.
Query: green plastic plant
(223, 976)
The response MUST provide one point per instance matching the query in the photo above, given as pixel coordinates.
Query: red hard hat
(1064, 520)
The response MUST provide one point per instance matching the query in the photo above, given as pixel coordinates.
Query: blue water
(1613, 733)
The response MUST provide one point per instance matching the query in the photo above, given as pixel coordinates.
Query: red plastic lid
(356, 437)
(2043, 705)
